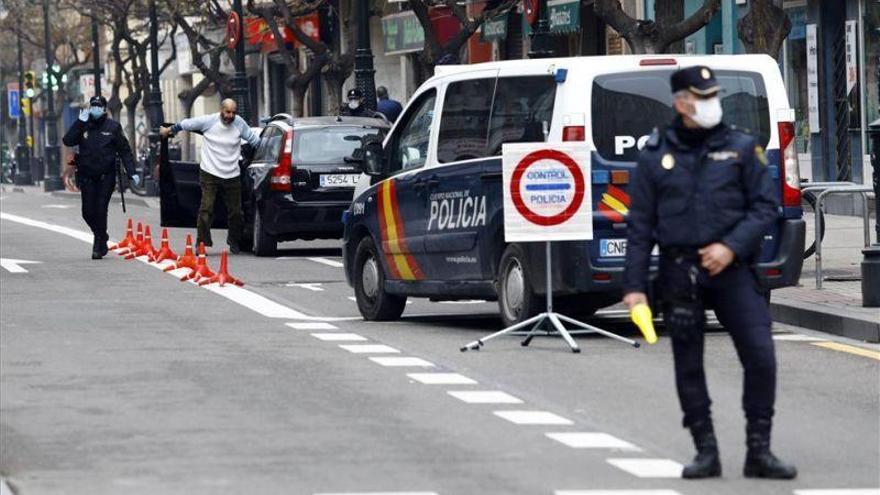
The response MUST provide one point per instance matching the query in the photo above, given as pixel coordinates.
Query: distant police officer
(354, 106)
(101, 141)
(702, 192)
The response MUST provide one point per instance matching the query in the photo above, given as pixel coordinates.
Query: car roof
(327, 120)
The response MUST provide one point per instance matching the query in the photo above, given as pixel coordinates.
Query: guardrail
(832, 188)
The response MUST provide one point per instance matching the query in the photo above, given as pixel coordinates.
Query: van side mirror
(369, 156)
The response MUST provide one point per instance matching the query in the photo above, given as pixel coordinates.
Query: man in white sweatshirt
(222, 133)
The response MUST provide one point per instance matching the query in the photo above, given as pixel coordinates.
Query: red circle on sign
(233, 29)
(527, 212)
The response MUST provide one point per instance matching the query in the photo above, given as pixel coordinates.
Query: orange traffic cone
(202, 269)
(127, 240)
(188, 260)
(146, 248)
(136, 244)
(222, 277)
(164, 252)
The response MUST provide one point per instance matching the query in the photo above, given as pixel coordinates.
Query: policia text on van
(427, 222)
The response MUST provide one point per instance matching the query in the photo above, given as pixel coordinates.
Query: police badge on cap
(698, 79)
(97, 101)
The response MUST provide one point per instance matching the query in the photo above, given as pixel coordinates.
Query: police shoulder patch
(760, 155)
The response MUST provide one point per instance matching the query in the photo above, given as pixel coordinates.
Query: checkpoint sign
(547, 192)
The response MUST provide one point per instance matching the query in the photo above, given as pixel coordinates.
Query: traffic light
(30, 83)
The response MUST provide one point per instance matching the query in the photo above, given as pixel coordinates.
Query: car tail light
(657, 61)
(280, 179)
(573, 133)
(791, 183)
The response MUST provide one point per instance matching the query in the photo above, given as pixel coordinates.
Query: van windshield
(327, 144)
(628, 106)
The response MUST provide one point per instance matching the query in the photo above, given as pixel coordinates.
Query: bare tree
(647, 36)
(764, 28)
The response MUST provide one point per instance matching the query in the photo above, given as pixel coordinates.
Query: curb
(129, 200)
(830, 320)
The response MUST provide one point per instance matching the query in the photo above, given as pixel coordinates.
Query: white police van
(427, 220)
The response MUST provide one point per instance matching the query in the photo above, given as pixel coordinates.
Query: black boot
(706, 463)
(760, 462)
(97, 252)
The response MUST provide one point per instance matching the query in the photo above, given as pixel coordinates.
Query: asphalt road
(118, 378)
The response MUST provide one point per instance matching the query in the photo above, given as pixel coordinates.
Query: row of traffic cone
(141, 244)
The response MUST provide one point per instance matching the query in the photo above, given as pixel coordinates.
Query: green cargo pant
(231, 189)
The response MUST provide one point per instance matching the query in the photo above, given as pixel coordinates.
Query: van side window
(521, 106)
(464, 123)
(409, 147)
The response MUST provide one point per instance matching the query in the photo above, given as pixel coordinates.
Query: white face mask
(707, 112)
(354, 104)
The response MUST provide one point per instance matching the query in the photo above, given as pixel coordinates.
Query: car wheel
(516, 298)
(373, 302)
(263, 244)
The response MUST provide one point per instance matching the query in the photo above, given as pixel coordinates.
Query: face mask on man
(707, 112)
(96, 112)
(354, 104)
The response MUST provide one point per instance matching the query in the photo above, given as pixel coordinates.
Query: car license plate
(339, 180)
(609, 248)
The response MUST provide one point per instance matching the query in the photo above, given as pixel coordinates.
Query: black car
(295, 186)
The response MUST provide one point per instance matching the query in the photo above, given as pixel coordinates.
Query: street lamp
(22, 153)
(871, 254)
(96, 57)
(154, 100)
(540, 46)
(240, 92)
(363, 57)
(53, 158)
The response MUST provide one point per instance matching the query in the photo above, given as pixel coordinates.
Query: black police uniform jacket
(99, 141)
(689, 197)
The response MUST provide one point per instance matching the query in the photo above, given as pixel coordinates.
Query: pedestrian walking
(101, 142)
(703, 193)
(219, 170)
(354, 106)
(388, 107)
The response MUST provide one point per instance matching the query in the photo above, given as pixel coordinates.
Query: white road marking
(395, 361)
(14, 266)
(591, 440)
(59, 207)
(468, 301)
(370, 349)
(325, 261)
(484, 397)
(840, 491)
(76, 234)
(441, 379)
(318, 325)
(379, 493)
(796, 337)
(533, 417)
(338, 337)
(354, 299)
(616, 492)
(314, 287)
(648, 468)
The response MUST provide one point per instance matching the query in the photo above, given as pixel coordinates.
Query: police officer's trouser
(739, 304)
(96, 193)
(231, 189)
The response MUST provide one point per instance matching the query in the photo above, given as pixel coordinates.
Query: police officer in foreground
(703, 193)
(101, 141)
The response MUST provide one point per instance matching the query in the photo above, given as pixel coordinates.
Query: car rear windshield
(327, 144)
(628, 106)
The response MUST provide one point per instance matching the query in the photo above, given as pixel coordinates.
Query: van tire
(264, 244)
(515, 287)
(373, 302)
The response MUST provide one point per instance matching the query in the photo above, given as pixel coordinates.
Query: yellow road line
(851, 349)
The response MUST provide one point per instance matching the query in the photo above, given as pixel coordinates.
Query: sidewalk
(837, 307)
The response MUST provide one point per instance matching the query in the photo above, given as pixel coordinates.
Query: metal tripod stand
(549, 323)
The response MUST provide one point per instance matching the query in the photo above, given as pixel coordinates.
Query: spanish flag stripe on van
(393, 235)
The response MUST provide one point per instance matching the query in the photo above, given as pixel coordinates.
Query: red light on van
(573, 133)
(280, 179)
(773, 272)
(657, 61)
(791, 183)
(601, 277)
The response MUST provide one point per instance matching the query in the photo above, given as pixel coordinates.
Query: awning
(494, 29)
(564, 15)
(403, 33)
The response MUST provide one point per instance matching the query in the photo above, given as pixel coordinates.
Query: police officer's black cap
(98, 101)
(355, 93)
(698, 79)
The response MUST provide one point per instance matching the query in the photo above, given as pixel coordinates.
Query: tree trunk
(334, 94)
(299, 101)
(130, 126)
(667, 13)
(764, 28)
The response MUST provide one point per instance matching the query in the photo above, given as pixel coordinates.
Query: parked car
(296, 184)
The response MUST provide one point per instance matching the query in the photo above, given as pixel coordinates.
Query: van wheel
(264, 244)
(515, 287)
(373, 302)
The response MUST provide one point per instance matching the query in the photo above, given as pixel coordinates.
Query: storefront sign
(403, 33)
(852, 63)
(812, 79)
(494, 29)
(565, 16)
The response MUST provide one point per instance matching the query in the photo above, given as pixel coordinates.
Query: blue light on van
(344, 216)
(601, 177)
(561, 75)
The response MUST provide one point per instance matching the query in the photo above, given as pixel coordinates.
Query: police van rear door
(625, 108)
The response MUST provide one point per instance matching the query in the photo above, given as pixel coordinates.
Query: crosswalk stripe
(335, 337)
(592, 440)
(441, 379)
(840, 491)
(317, 325)
(648, 468)
(369, 349)
(533, 417)
(616, 492)
(484, 397)
(395, 361)
(325, 261)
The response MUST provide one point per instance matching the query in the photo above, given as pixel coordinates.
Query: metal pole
(240, 92)
(155, 114)
(540, 46)
(96, 57)
(549, 256)
(22, 153)
(364, 72)
(863, 80)
(52, 151)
